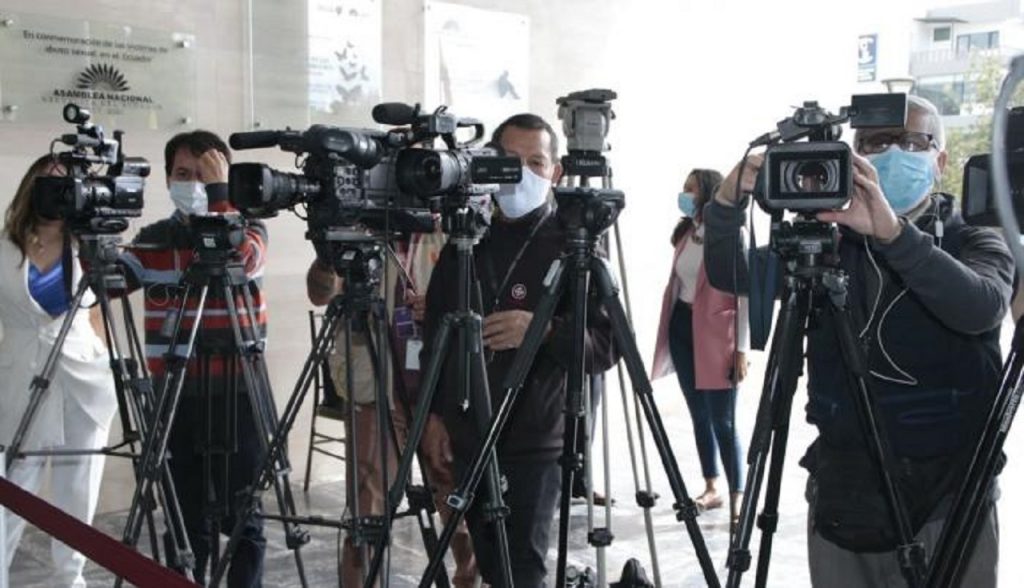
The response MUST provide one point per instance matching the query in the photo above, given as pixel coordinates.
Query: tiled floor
(678, 566)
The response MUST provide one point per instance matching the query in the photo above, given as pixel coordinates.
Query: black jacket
(943, 332)
(536, 427)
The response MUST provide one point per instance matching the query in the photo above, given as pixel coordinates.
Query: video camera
(817, 174)
(586, 118)
(977, 202)
(375, 179)
(91, 203)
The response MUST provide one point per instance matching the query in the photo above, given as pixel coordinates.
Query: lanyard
(515, 261)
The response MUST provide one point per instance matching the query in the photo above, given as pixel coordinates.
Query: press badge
(412, 354)
(405, 326)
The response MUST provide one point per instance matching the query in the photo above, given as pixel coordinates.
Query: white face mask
(189, 197)
(518, 200)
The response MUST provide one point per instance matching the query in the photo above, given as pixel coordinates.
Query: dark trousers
(533, 489)
(195, 492)
(713, 411)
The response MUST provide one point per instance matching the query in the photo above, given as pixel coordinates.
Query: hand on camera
(213, 167)
(505, 330)
(726, 193)
(869, 212)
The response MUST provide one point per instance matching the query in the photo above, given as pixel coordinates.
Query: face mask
(906, 178)
(189, 197)
(518, 200)
(687, 204)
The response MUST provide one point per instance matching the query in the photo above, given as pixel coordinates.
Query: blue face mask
(906, 178)
(687, 204)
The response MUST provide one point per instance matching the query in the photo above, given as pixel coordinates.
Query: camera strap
(496, 288)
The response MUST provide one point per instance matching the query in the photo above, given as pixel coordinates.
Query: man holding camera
(196, 164)
(511, 263)
(927, 294)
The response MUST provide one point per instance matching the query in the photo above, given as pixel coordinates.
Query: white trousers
(74, 488)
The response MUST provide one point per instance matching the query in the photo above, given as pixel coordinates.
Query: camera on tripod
(88, 202)
(818, 174)
(586, 116)
(376, 179)
(978, 202)
(216, 235)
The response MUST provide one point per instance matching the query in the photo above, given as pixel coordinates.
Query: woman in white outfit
(39, 270)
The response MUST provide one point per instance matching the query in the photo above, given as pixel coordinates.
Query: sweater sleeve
(970, 294)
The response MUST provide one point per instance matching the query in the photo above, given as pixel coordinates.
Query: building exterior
(950, 44)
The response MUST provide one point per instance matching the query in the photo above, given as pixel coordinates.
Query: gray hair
(933, 120)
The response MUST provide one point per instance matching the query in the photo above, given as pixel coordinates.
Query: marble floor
(677, 563)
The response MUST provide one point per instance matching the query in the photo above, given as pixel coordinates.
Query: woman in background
(39, 269)
(699, 340)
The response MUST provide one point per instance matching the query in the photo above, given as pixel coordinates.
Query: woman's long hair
(708, 181)
(21, 219)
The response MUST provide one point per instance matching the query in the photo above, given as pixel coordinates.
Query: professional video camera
(817, 175)
(371, 178)
(977, 202)
(87, 201)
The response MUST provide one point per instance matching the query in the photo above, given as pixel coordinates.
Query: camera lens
(811, 176)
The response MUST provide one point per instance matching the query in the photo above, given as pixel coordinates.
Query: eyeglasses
(910, 141)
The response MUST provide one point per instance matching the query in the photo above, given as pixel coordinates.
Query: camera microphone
(395, 113)
(254, 139)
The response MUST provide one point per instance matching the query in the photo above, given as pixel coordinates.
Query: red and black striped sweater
(156, 261)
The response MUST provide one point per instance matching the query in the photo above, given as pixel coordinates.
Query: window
(977, 41)
(941, 34)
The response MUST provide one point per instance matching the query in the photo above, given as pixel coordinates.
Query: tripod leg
(462, 498)
(428, 387)
(41, 383)
(259, 393)
(496, 511)
(419, 498)
(956, 543)
(152, 461)
(572, 462)
(910, 552)
(686, 510)
(321, 345)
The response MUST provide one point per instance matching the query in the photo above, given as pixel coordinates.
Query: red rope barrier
(100, 548)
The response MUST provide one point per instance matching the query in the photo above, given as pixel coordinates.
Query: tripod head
(588, 212)
(215, 238)
(98, 250)
(468, 222)
(355, 256)
(804, 241)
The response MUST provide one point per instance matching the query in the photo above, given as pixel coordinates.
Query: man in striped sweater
(214, 416)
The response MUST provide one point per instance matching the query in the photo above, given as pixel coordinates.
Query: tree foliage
(985, 78)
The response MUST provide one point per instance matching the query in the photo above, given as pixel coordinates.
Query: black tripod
(465, 230)
(215, 272)
(133, 389)
(585, 213)
(358, 259)
(956, 542)
(812, 281)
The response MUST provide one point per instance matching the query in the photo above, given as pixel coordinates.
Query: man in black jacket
(927, 294)
(511, 263)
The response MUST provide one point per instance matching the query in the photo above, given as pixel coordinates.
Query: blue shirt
(48, 289)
